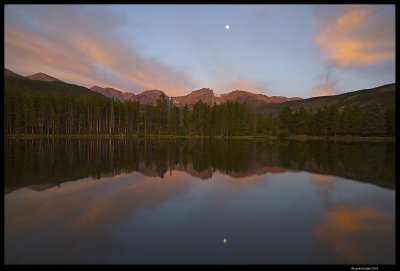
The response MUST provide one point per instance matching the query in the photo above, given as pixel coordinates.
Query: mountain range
(205, 95)
(273, 105)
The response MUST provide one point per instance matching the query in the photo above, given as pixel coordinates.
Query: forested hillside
(384, 95)
(57, 108)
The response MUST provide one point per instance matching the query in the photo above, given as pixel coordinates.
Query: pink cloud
(323, 90)
(70, 48)
(326, 87)
(360, 35)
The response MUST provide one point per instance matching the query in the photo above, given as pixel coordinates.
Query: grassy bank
(51, 136)
(95, 136)
(342, 138)
(259, 137)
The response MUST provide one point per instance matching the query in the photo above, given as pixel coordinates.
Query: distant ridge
(252, 98)
(207, 96)
(204, 95)
(21, 83)
(113, 93)
(43, 77)
(149, 96)
(385, 95)
(7, 72)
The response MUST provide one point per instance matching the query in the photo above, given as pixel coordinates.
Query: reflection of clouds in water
(110, 199)
(321, 179)
(352, 232)
(324, 185)
(128, 199)
(87, 201)
(132, 218)
(83, 210)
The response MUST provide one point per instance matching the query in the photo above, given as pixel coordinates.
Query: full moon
(227, 26)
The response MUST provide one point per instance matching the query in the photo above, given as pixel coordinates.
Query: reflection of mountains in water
(30, 162)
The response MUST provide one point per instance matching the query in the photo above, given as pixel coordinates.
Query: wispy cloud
(67, 44)
(360, 35)
(225, 79)
(326, 86)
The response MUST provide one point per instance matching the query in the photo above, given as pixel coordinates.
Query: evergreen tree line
(371, 120)
(55, 113)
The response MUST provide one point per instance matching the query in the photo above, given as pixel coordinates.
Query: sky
(276, 50)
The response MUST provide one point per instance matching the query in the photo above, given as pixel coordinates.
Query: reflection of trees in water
(60, 160)
(344, 229)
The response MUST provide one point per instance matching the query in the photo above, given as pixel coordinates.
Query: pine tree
(286, 120)
(390, 116)
(301, 122)
(375, 122)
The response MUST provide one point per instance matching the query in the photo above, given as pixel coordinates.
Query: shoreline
(343, 138)
(155, 136)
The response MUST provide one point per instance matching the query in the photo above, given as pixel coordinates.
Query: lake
(127, 201)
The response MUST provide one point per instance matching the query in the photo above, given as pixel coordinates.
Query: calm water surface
(175, 201)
